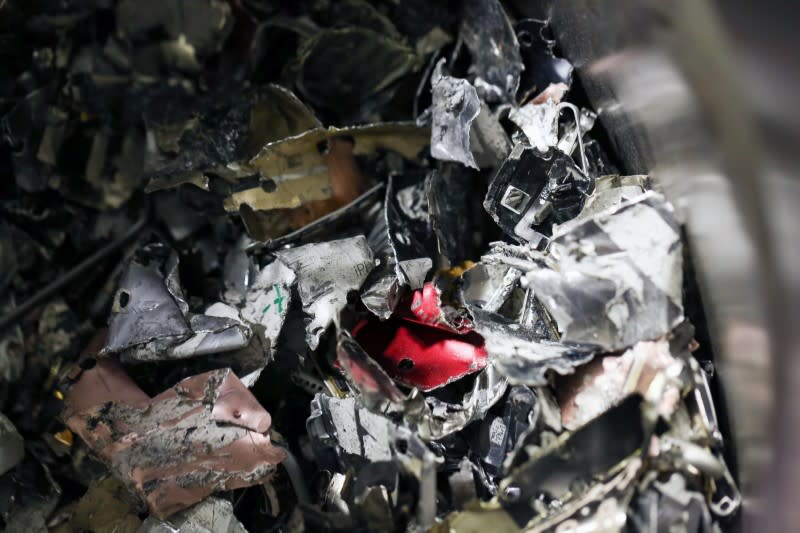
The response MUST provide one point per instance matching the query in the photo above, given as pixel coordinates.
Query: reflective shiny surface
(696, 95)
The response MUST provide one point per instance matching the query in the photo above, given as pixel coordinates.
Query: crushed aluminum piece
(204, 434)
(493, 45)
(609, 191)
(488, 141)
(212, 515)
(539, 123)
(326, 272)
(488, 286)
(520, 356)
(357, 435)
(148, 308)
(435, 419)
(455, 106)
(545, 76)
(615, 279)
(431, 417)
(218, 330)
(12, 446)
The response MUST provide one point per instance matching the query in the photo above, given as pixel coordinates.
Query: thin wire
(576, 112)
(296, 477)
(53, 288)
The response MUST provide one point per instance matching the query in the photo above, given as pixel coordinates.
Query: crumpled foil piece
(539, 123)
(615, 279)
(455, 106)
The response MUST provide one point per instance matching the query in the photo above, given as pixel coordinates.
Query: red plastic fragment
(418, 355)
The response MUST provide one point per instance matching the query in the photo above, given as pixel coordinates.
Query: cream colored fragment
(290, 192)
(300, 172)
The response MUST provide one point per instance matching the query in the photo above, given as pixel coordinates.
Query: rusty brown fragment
(346, 184)
(205, 434)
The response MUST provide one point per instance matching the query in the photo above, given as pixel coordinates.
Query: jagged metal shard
(326, 272)
(455, 106)
(493, 45)
(150, 319)
(148, 308)
(615, 279)
(380, 292)
(522, 357)
(532, 189)
(206, 433)
(408, 223)
(356, 435)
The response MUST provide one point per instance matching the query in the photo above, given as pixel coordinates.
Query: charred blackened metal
(410, 232)
(492, 43)
(545, 76)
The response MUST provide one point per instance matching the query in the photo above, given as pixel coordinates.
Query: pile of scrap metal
(334, 265)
